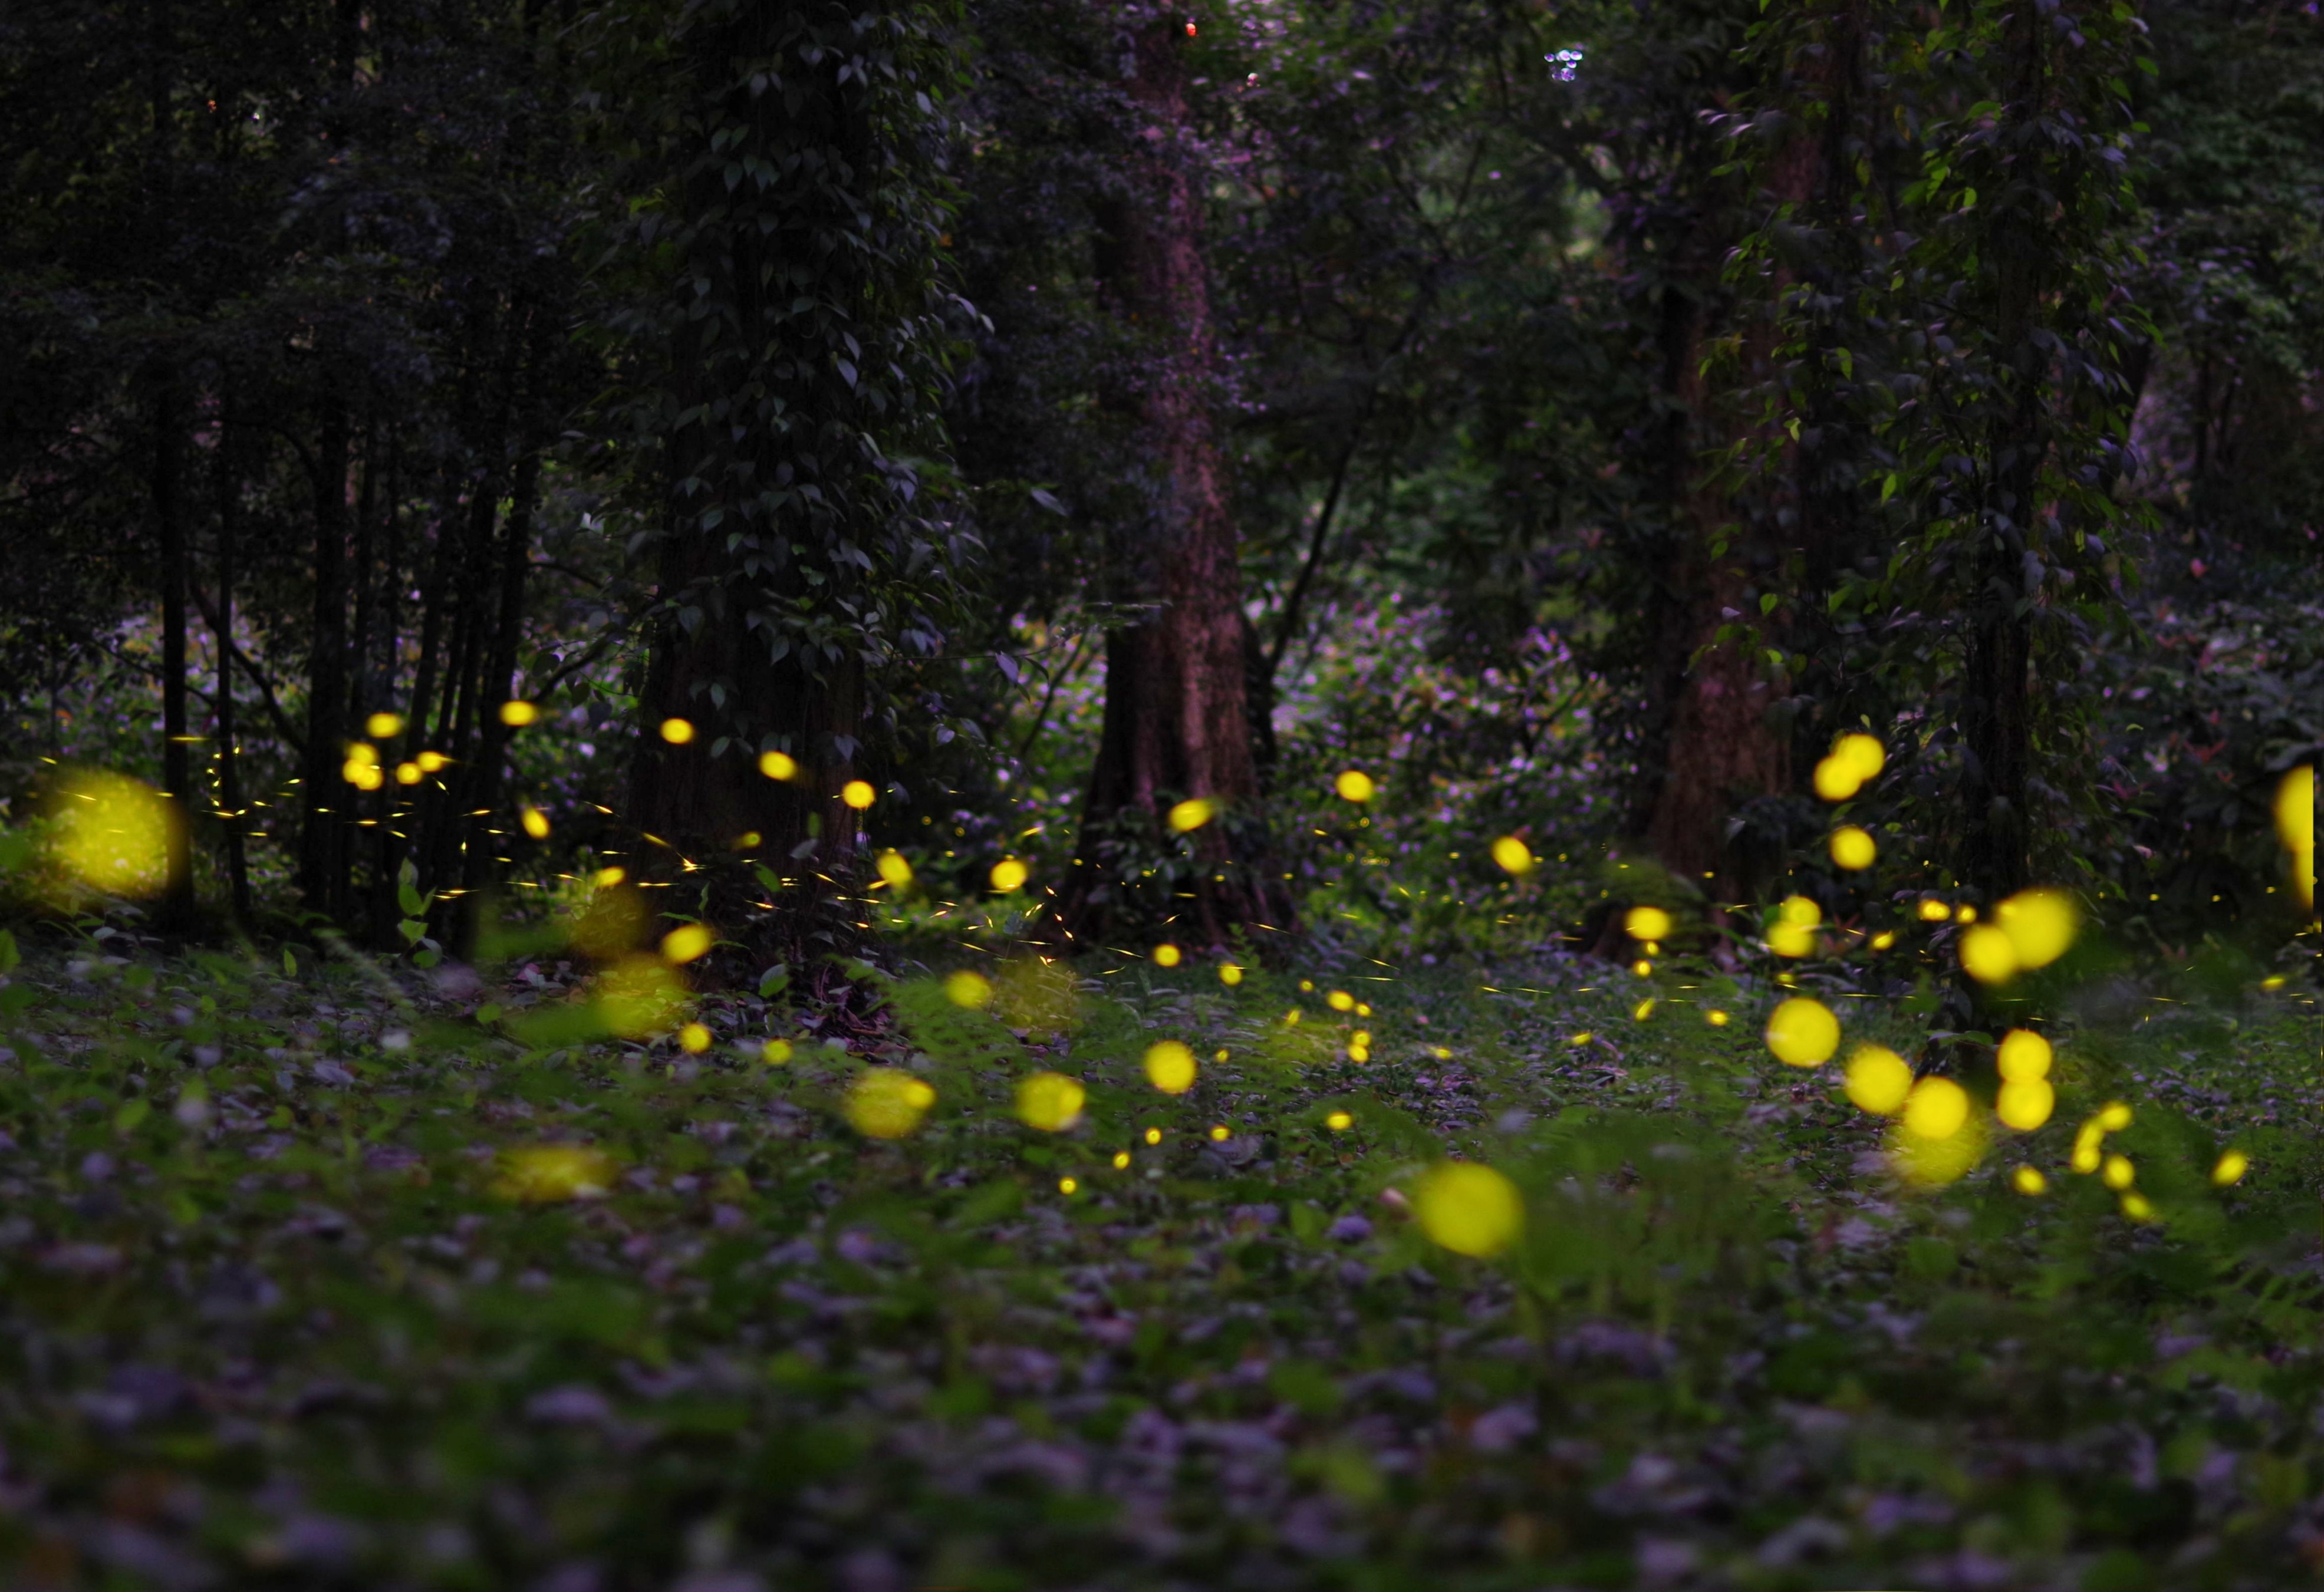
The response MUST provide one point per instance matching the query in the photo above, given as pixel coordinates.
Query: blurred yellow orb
(677, 732)
(1642, 967)
(2113, 1117)
(1339, 1122)
(1121, 1160)
(639, 996)
(1191, 814)
(968, 988)
(1803, 1033)
(685, 942)
(409, 774)
(888, 1102)
(1168, 955)
(1153, 1136)
(383, 726)
(541, 1174)
(431, 761)
(2022, 1054)
(2039, 924)
(1878, 1079)
(778, 764)
(2117, 1173)
(1936, 1109)
(858, 794)
(1354, 786)
(534, 822)
(2295, 825)
(1513, 855)
(1009, 875)
(1230, 974)
(1801, 910)
(2137, 1207)
(775, 1051)
(1221, 1134)
(1884, 939)
(1853, 847)
(113, 833)
(1050, 1101)
(606, 878)
(516, 715)
(1066, 1185)
(1863, 754)
(694, 1039)
(1789, 939)
(1988, 955)
(1836, 780)
(2086, 1140)
(1715, 1018)
(2026, 1103)
(2230, 1168)
(1643, 1010)
(1934, 910)
(894, 868)
(2028, 1179)
(1339, 1001)
(1170, 1067)
(1468, 1207)
(1646, 923)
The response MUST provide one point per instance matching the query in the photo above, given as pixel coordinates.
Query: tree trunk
(228, 486)
(1176, 715)
(176, 764)
(324, 795)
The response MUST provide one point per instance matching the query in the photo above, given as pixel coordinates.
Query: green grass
(269, 1317)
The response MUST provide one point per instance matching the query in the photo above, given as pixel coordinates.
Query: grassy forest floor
(286, 1298)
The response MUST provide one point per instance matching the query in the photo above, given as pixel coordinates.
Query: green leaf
(126, 1119)
(10, 957)
(407, 891)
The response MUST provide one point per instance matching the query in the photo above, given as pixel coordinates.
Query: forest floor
(286, 1298)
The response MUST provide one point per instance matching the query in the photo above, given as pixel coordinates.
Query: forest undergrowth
(328, 1274)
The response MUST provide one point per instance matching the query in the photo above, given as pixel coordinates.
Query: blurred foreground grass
(319, 1276)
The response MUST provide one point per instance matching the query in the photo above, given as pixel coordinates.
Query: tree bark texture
(324, 795)
(177, 762)
(1176, 722)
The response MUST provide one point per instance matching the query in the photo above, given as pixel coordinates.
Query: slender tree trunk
(1176, 715)
(324, 796)
(228, 486)
(177, 763)
(483, 790)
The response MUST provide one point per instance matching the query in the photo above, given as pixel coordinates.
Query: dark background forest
(1173, 507)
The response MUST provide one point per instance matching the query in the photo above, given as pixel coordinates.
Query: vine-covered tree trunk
(803, 352)
(1177, 723)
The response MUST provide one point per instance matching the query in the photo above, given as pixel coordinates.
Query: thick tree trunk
(1177, 723)
(228, 486)
(176, 764)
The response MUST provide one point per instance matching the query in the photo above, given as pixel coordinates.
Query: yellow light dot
(1308, 986)
(2086, 1140)
(1878, 1079)
(1050, 1101)
(1230, 974)
(778, 764)
(2230, 1168)
(1965, 913)
(534, 821)
(1468, 1208)
(1884, 939)
(384, 726)
(1853, 847)
(888, 1102)
(677, 732)
(2137, 1207)
(2022, 1054)
(2113, 1117)
(1008, 875)
(1643, 1010)
(1937, 1108)
(1339, 1001)
(694, 1039)
(775, 1051)
(2295, 826)
(1170, 1067)
(894, 868)
(357, 773)
(1166, 955)
(431, 761)
(685, 943)
(516, 715)
(2040, 925)
(1513, 855)
(1191, 814)
(1790, 939)
(1987, 956)
(1647, 922)
(1291, 1018)
(409, 774)
(1584, 1038)
(1153, 1136)
(2029, 1181)
(1363, 1010)
(1803, 1033)
(1355, 784)
(1803, 911)
(1863, 754)
(1442, 1053)
(1066, 1185)
(2117, 1173)
(1359, 1054)
(1121, 1160)
(1221, 1134)
(1642, 968)
(1715, 1018)
(1934, 910)
(858, 794)
(2026, 1103)
(1339, 1122)
(604, 878)
(971, 989)
(1836, 780)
